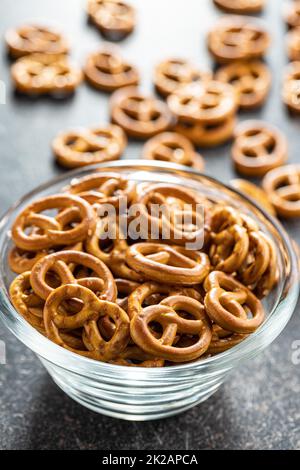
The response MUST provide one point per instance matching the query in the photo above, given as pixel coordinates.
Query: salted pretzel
(254, 192)
(107, 70)
(176, 266)
(100, 280)
(291, 87)
(210, 102)
(174, 148)
(207, 135)
(229, 241)
(293, 44)
(92, 309)
(168, 315)
(258, 147)
(140, 116)
(103, 188)
(161, 208)
(283, 188)
(238, 38)
(29, 39)
(229, 303)
(45, 73)
(170, 74)
(222, 340)
(87, 146)
(114, 18)
(241, 6)
(292, 14)
(51, 232)
(251, 80)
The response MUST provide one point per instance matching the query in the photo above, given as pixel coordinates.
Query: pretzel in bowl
(103, 188)
(92, 310)
(222, 340)
(114, 18)
(74, 149)
(293, 44)
(174, 148)
(283, 188)
(241, 6)
(238, 38)
(292, 14)
(170, 74)
(30, 39)
(45, 73)
(251, 80)
(228, 303)
(291, 87)
(107, 70)
(140, 116)
(51, 232)
(258, 147)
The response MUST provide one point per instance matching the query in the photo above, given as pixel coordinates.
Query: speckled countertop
(258, 407)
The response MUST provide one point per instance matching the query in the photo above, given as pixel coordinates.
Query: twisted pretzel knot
(209, 102)
(114, 18)
(283, 188)
(228, 303)
(106, 70)
(291, 87)
(87, 146)
(292, 14)
(28, 39)
(176, 265)
(240, 6)
(103, 188)
(207, 134)
(92, 310)
(258, 148)
(172, 147)
(251, 80)
(170, 74)
(237, 38)
(140, 116)
(45, 73)
(172, 322)
(53, 231)
(100, 280)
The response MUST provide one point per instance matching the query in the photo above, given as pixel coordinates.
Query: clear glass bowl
(135, 393)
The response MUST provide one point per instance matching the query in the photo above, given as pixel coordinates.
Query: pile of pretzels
(146, 302)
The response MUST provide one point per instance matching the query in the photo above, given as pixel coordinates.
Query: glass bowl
(137, 393)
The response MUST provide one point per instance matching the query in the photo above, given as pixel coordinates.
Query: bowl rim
(48, 350)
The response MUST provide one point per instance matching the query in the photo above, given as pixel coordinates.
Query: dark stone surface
(258, 408)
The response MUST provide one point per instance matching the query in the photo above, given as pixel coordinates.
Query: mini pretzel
(52, 232)
(28, 39)
(223, 340)
(240, 6)
(101, 279)
(252, 81)
(133, 356)
(228, 303)
(293, 44)
(258, 147)
(292, 14)
(170, 74)
(254, 192)
(291, 87)
(88, 146)
(45, 73)
(106, 70)
(283, 188)
(207, 135)
(104, 188)
(114, 18)
(238, 38)
(140, 116)
(257, 260)
(172, 147)
(180, 266)
(270, 277)
(92, 309)
(172, 323)
(210, 102)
